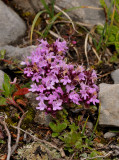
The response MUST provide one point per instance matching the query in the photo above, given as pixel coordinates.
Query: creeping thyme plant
(57, 83)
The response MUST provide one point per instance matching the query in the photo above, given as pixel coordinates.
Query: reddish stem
(12, 101)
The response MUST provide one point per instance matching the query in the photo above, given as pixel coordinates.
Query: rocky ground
(16, 18)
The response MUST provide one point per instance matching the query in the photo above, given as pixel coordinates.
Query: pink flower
(84, 94)
(81, 76)
(57, 105)
(36, 77)
(74, 97)
(42, 106)
(41, 97)
(28, 72)
(61, 46)
(57, 82)
(69, 88)
(41, 88)
(94, 100)
(48, 83)
(65, 80)
(53, 97)
(33, 88)
(59, 90)
(74, 42)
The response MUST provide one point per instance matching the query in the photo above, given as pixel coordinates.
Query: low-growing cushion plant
(57, 83)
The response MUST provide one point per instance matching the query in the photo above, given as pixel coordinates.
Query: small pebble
(109, 134)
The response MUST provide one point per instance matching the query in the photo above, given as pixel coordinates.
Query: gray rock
(109, 134)
(17, 53)
(1, 78)
(109, 98)
(11, 25)
(40, 117)
(28, 7)
(89, 125)
(115, 76)
(86, 15)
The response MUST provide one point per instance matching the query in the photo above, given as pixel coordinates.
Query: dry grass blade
(56, 7)
(85, 48)
(99, 59)
(92, 7)
(79, 23)
(76, 52)
(55, 35)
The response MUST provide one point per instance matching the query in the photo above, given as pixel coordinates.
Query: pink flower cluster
(56, 82)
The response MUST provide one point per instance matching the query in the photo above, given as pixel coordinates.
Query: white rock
(115, 76)
(11, 25)
(109, 134)
(1, 78)
(109, 98)
(17, 53)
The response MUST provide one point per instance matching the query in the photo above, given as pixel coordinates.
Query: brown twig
(9, 137)
(104, 75)
(10, 62)
(18, 134)
(72, 156)
(13, 148)
(12, 101)
(99, 156)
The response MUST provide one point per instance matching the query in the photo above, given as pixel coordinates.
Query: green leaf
(78, 144)
(55, 134)
(46, 7)
(70, 138)
(73, 127)
(57, 128)
(94, 154)
(2, 53)
(34, 22)
(114, 59)
(3, 101)
(84, 155)
(51, 23)
(83, 130)
(52, 8)
(12, 88)
(6, 85)
(1, 141)
(99, 29)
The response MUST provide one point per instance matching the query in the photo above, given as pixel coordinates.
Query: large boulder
(11, 25)
(109, 98)
(92, 15)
